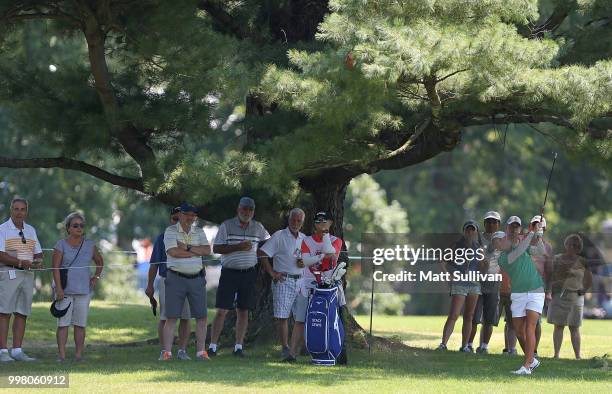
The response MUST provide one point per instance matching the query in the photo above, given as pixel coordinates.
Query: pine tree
(290, 100)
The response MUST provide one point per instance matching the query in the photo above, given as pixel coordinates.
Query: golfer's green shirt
(523, 274)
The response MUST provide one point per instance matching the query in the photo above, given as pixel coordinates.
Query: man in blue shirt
(158, 265)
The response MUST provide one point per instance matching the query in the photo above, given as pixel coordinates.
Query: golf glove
(339, 272)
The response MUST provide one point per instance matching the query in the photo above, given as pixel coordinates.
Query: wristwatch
(97, 276)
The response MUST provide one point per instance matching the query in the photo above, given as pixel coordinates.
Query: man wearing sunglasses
(20, 252)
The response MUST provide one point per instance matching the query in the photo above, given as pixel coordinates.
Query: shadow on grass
(128, 323)
(262, 369)
(406, 336)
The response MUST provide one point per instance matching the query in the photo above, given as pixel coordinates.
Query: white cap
(514, 219)
(498, 234)
(492, 215)
(538, 218)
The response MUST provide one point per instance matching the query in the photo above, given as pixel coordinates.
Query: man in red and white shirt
(320, 253)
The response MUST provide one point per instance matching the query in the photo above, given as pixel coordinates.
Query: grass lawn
(111, 368)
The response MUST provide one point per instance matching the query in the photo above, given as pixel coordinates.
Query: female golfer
(527, 297)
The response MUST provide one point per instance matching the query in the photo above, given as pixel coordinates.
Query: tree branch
(591, 129)
(131, 139)
(76, 165)
(451, 74)
(550, 24)
(224, 21)
(49, 10)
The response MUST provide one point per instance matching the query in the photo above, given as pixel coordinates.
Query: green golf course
(118, 359)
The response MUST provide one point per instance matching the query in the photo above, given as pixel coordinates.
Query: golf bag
(324, 330)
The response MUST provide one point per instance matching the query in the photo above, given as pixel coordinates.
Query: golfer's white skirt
(521, 302)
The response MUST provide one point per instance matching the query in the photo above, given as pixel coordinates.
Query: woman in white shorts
(527, 297)
(74, 253)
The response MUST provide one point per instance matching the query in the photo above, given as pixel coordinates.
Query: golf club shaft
(548, 185)
(371, 312)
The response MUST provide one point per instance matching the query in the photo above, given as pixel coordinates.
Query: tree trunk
(327, 193)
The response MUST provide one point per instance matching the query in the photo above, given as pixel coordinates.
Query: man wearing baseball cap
(237, 241)
(543, 263)
(487, 307)
(157, 264)
(185, 278)
(320, 253)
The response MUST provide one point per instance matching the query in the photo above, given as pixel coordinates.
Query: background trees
(290, 100)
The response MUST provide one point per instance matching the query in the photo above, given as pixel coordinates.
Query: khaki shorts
(16, 294)
(77, 312)
(566, 310)
(185, 313)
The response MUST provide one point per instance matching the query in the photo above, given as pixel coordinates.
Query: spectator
(20, 252)
(487, 307)
(158, 264)
(464, 294)
(284, 248)
(570, 279)
(237, 241)
(185, 278)
(74, 254)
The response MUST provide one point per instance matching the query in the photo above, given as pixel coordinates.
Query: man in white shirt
(284, 247)
(20, 252)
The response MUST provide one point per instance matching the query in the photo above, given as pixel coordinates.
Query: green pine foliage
(241, 103)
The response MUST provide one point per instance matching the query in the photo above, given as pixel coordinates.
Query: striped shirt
(12, 243)
(231, 233)
(195, 237)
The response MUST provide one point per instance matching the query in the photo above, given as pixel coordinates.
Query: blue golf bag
(324, 330)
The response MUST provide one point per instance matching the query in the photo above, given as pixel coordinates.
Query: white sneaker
(522, 371)
(534, 364)
(5, 357)
(21, 356)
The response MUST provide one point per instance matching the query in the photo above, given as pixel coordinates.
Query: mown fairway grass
(111, 367)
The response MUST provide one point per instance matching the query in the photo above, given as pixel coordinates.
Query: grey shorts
(487, 307)
(178, 289)
(185, 314)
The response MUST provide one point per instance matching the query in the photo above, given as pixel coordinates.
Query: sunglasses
(23, 240)
(77, 225)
